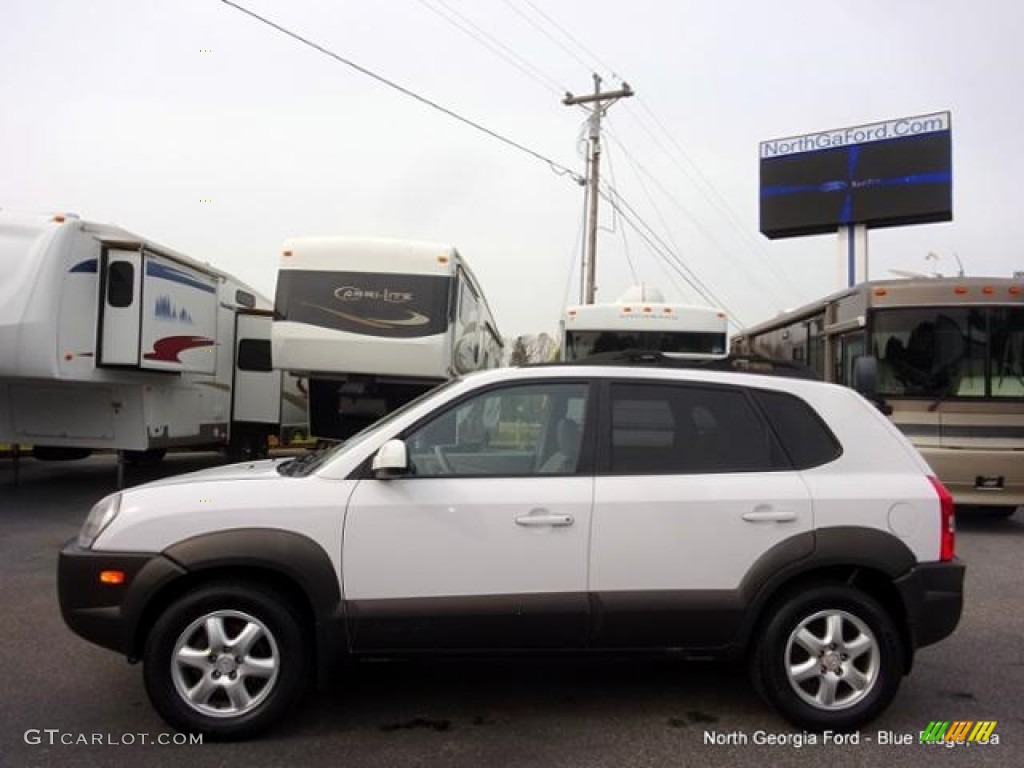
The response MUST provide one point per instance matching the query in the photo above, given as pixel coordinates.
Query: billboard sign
(881, 175)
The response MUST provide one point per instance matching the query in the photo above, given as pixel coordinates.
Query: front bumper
(108, 614)
(933, 594)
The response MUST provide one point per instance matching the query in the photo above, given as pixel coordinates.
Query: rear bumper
(933, 595)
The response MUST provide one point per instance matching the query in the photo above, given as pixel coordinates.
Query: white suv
(592, 508)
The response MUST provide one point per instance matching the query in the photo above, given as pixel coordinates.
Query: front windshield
(310, 463)
(939, 352)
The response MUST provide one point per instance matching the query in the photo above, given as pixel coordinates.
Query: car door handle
(542, 520)
(769, 516)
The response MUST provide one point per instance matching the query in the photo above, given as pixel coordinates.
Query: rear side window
(806, 439)
(685, 429)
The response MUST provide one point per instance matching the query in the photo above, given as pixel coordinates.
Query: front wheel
(226, 661)
(829, 658)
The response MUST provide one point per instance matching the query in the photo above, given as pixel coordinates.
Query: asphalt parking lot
(65, 702)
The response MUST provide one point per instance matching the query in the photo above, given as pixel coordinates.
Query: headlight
(100, 516)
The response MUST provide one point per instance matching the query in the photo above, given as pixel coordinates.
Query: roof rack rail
(735, 363)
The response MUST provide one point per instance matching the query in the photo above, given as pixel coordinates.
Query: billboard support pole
(852, 252)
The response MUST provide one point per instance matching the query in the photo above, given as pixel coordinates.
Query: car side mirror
(391, 460)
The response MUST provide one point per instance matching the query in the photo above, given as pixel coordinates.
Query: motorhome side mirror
(865, 381)
(865, 376)
(391, 460)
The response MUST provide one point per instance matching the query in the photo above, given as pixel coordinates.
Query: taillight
(947, 546)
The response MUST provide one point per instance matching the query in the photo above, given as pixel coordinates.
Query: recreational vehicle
(950, 367)
(641, 319)
(109, 341)
(374, 323)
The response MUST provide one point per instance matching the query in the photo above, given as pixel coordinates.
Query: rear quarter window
(805, 437)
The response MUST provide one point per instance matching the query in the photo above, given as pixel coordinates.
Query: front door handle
(769, 516)
(556, 521)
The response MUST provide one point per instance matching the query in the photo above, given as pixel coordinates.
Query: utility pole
(601, 102)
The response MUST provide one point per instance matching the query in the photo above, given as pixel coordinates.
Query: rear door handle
(555, 521)
(769, 516)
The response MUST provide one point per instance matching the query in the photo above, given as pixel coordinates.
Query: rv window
(254, 355)
(245, 299)
(120, 284)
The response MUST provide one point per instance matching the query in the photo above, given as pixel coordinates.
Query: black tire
(271, 671)
(998, 513)
(247, 444)
(237, 448)
(860, 673)
(56, 453)
(149, 456)
(260, 447)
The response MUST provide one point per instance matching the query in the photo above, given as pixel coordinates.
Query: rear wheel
(830, 657)
(226, 661)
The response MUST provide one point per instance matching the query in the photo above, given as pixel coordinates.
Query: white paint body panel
(252, 495)
(121, 325)
(436, 537)
(305, 347)
(661, 532)
(253, 390)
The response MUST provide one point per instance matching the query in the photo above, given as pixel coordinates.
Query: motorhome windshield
(965, 352)
(580, 344)
(372, 304)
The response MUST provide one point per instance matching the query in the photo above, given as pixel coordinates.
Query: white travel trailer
(109, 341)
(373, 323)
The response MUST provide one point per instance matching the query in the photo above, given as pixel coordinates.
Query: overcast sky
(194, 125)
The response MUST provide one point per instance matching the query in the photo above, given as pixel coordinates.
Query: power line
(705, 187)
(556, 167)
(648, 234)
(625, 242)
(547, 34)
(650, 199)
(570, 37)
(493, 44)
(641, 171)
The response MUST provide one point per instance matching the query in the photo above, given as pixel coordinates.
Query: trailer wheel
(247, 444)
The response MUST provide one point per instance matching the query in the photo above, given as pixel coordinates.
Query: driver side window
(514, 431)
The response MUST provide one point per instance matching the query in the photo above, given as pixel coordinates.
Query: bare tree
(520, 353)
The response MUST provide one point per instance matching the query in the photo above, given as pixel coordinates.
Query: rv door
(120, 318)
(257, 392)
